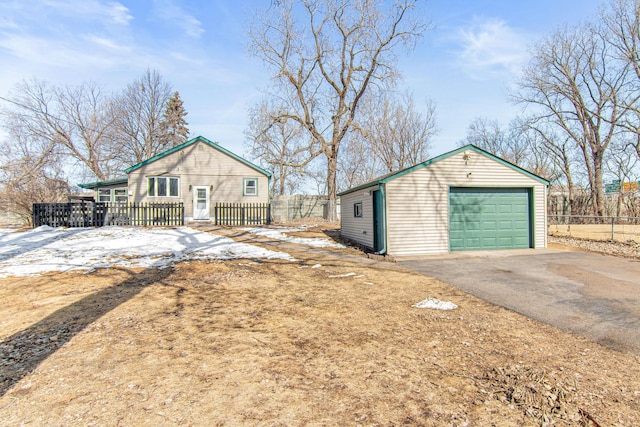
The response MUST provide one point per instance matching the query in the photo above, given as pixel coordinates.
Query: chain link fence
(605, 228)
(292, 208)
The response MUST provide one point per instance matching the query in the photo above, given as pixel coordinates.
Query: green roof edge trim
(193, 141)
(91, 185)
(389, 177)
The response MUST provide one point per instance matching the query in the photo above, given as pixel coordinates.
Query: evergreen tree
(173, 129)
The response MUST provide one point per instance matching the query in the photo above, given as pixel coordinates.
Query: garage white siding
(417, 203)
(358, 229)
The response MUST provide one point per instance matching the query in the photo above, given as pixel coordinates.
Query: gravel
(629, 249)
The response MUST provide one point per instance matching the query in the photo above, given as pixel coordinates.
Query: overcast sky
(464, 64)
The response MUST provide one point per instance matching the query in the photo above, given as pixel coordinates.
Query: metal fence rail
(242, 213)
(618, 228)
(98, 214)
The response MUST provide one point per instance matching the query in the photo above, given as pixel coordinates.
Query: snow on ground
(278, 233)
(46, 249)
(436, 304)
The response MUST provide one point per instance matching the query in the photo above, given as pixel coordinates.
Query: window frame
(244, 187)
(102, 194)
(154, 186)
(112, 194)
(357, 210)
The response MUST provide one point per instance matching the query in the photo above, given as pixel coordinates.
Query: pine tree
(173, 128)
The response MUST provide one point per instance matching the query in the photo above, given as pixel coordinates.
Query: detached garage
(467, 199)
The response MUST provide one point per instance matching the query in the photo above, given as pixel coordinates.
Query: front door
(200, 202)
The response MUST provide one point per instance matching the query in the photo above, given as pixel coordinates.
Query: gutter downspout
(383, 218)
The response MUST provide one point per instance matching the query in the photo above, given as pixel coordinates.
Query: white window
(120, 195)
(113, 194)
(162, 186)
(250, 187)
(104, 195)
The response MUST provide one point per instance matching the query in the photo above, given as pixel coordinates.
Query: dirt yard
(324, 340)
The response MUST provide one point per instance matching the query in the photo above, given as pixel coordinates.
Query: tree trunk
(597, 189)
(332, 165)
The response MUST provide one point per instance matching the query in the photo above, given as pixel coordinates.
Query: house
(466, 199)
(198, 173)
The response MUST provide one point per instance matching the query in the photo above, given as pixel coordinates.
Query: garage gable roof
(386, 178)
(191, 142)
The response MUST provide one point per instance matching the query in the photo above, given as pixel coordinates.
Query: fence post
(613, 222)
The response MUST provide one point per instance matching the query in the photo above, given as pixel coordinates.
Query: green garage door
(489, 218)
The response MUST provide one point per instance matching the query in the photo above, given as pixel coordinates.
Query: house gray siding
(199, 164)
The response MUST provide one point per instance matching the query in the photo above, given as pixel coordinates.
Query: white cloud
(39, 50)
(109, 44)
(114, 12)
(174, 15)
(490, 47)
(8, 23)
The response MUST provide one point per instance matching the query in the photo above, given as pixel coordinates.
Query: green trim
(383, 200)
(532, 218)
(97, 184)
(386, 178)
(191, 142)
(244, 186)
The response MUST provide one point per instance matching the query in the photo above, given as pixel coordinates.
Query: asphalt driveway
(593, 295)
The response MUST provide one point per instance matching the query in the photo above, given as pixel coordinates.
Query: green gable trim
(191, 142)
(98, 184)
(389, 177)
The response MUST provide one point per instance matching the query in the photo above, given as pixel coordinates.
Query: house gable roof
(386, 178)
(191, 142)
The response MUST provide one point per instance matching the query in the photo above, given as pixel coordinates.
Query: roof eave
(400, 173)
(98, 184)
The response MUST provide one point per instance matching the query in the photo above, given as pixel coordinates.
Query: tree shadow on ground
(22, 352)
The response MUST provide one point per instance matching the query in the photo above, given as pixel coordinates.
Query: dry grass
(279, 343)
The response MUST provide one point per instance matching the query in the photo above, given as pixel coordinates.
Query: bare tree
(622, 24)
(398, 135)
(573, 83)
(76, 119)
(560, 149)
(507, 142)
(325, 56)
(30, 173)
(278, 145)
(140, 112)
(358, 163)
(623, 165)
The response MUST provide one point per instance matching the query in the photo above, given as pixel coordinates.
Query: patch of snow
(47, 249)
(342, 275)
(278, 233)
(316, 266)
(436, 304)
(367, 283)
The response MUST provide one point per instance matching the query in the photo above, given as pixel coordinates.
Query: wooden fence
(98, 214)
(242, 213)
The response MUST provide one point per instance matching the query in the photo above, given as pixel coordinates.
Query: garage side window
(357, 209)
